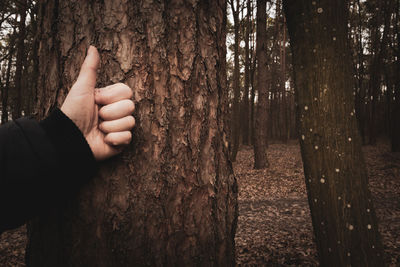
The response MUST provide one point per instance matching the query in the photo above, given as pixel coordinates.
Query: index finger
(112, 93)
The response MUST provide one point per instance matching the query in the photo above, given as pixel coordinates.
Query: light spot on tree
(303, 137)
(351, 114)
(314, 3)
(339, 197)
(310, 129)
(322, 180)
(349, 139)
(337, 170)
(351, 227)
(305, 107)
(348, 254)
(368, 210)
(369, 227)
(320, 10)
(315, 200)
(334, 38)
(373, 246)
(329, 249)
(316, 147)
(349, 205)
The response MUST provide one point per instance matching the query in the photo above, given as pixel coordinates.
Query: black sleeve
(41, 165)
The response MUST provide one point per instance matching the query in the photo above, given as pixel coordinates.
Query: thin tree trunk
(20, 61)
(6, 88)
(260, 136)
(170, 198)
(236, 83)
(245, 107)
(285, 119)
(396, 95)
(344, 221)
(376, 65)
(360, 93)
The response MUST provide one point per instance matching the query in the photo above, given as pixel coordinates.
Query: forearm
(40, 165)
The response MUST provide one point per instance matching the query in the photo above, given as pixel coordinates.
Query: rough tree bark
(170, 198)
(260, 131)
(344, 221)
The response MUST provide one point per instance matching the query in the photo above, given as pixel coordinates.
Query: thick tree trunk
(170, 198)
(20, 61)
(260, 133)
(343, 216)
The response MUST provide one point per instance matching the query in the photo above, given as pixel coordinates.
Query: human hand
(106, 129)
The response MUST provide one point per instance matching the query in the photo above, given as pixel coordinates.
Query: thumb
(88, 73)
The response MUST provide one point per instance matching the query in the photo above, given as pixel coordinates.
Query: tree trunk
(171, 198)
(379, 48)
(20, 61)
(260, 133)
(396, 95)
(360, 93)
(245, 106)
(236, 83)
(5, 90)
(344, 221)
(285, 124)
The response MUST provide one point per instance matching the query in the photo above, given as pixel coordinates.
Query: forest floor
(274, 226)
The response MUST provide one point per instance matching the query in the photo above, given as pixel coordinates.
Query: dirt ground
(274, 226)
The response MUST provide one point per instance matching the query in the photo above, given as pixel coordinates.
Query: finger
(118, 138)
(112, 94)
(119, 125)
(117, 110)
(88, 72)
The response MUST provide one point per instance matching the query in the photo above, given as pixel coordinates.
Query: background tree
(396, 94)
(21, 58)
(245, 123)
(236, 119)
(343, 216)
(260, 136)
(170, 199)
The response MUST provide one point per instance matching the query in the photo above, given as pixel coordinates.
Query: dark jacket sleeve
(41, 165)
